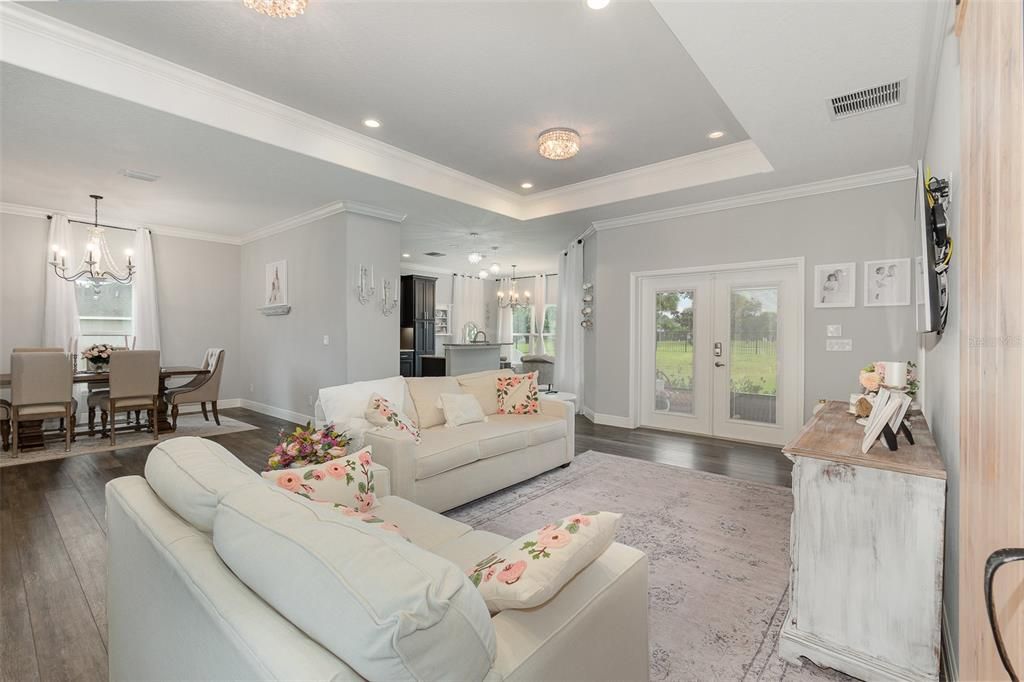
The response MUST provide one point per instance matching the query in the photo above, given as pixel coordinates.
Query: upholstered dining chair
(134, 385)
(38, 349)
(201, 389)
(41, 386)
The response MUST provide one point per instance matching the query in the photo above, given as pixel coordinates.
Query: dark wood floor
(53, 534)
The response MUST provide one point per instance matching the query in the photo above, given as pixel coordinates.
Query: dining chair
(46, 349)
(41, 386)
(134, 385)
(201, 389)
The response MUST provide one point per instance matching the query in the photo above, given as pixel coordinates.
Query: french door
(721, 352)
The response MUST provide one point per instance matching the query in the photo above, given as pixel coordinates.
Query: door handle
(719, 364)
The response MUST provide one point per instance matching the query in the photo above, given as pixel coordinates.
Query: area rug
(188, 425)
(718, 550)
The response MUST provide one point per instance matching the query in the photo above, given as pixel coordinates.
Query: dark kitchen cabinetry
(417, 314)
(407, 363)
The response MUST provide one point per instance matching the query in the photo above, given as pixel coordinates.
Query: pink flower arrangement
(872, 377)
(307, 445)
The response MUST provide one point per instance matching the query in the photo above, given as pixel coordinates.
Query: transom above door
(720, 351)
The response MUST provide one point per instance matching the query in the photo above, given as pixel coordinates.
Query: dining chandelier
(510, 298)
(281, 9)
(97, 263)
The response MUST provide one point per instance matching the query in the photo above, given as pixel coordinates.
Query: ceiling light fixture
(715, 134)
(495, 268)
(527, 185)
(508, 294)
(405, 255)
(371, 123)
(280, 9)
(482, 274)
(597, 4)
(475, 257)
(97, 264)
(558, 144)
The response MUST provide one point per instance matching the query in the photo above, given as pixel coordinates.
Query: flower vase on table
(97, 357)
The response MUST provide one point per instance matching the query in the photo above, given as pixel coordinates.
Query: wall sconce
(588, 306)
(387, 307)
(365, 292)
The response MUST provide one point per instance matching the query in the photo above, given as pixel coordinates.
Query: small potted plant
(97, 356)
(308, 445)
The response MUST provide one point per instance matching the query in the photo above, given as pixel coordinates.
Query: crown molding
(40, 43)
(880, 177)
(164, 230)
(321, 212)
(713, 165)
(412, 268)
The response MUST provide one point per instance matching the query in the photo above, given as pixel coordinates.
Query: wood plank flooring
(53, 534)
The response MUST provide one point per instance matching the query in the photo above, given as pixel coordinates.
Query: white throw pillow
(342, 403)
(529, 571)
(387, 608)
(460, 408)
(347, 480)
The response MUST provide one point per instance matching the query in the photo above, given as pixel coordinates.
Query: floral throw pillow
(382, 412)
(529, 571)
(347, 480)
(366, 517)
(517, 394)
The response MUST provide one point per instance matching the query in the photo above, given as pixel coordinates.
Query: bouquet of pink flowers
(873, 376)
(307, 445)
(98, 354)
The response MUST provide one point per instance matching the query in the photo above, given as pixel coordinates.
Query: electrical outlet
(327, 340)
(252, 388)
(833, 330)
(839, 344)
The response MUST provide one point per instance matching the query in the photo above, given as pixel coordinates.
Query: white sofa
(177, 611)
(453, 466)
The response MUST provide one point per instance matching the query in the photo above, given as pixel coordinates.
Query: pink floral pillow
(347, 480)
(532, 569)
(517, 394)
(366, 517)
(382, 412)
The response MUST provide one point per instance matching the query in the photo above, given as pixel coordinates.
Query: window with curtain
(522, 329)
(550, 328)
(104, 312)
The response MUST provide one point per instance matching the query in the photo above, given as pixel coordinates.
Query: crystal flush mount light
(558, 143)
(281, 9)
(475, 257)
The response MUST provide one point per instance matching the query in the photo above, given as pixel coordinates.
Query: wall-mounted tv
(930, 201)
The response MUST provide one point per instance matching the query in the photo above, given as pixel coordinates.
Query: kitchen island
(465, 358)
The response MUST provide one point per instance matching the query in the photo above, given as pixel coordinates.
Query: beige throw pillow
(482, 385)
(460, 408)
(529, 571)
(425, 391)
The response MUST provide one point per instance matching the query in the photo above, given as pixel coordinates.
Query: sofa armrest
(397, 452)
(567, 411)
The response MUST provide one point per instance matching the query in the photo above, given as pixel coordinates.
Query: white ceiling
(774, 64)
(467, 84)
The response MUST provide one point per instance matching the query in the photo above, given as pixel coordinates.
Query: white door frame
(635, 314)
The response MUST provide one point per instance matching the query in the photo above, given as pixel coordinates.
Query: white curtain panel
(467, 305)
(569, 337)
(540, 297)
(504, 316)
(145, 313)
(60, 308)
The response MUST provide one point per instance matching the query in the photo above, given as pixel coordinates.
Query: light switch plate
(833, 330)
(327, 340)
(839, 344)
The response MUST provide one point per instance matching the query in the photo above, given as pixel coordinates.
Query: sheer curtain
(540, 297)
(145, 314)
(569, 333)
(60, 308)
(467, 305)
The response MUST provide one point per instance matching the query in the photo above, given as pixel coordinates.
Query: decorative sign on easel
(887, 418)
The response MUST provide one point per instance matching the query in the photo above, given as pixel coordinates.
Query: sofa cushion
(383, 414)
(423, 527)
(484, 386)
(389, 609)
(425, 392)
(343, 403)
(467, 549)
(444, 449)
(460, 409)
(349, 480)
(191, 475)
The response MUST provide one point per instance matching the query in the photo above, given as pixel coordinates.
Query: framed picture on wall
(277, 283)
(887, 282)
(835, 285)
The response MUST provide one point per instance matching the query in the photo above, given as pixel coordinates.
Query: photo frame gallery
(887, 282)
(835, 285)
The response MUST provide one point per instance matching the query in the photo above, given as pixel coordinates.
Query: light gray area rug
(188, 425)
(718, 550)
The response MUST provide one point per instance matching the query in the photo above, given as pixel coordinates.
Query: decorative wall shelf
(270, 310)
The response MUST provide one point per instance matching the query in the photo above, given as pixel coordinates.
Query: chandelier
(510, 299)
(281, 9)
(558, 143)
(97, 264)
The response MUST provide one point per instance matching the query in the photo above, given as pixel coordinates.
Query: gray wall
(197, 291)
(373, 338)
(855, 225)
(942, 354)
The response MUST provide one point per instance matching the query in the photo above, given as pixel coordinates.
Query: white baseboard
(612, 420)
(588, 413)
(279, 412)
(950, 664)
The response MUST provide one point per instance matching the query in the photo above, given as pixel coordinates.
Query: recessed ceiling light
(527, 185)
(715, 134)
(371, 123)
(405, 255)
(597, 4)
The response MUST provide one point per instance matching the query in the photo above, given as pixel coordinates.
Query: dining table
(31, 432)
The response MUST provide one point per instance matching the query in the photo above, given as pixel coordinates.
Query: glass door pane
(753, 362)
(674, 352)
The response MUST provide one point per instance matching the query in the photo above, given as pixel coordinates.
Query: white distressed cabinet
(866, 547)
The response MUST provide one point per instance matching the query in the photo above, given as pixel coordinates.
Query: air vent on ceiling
(869, 99)
(434, 254)
(139, 175)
